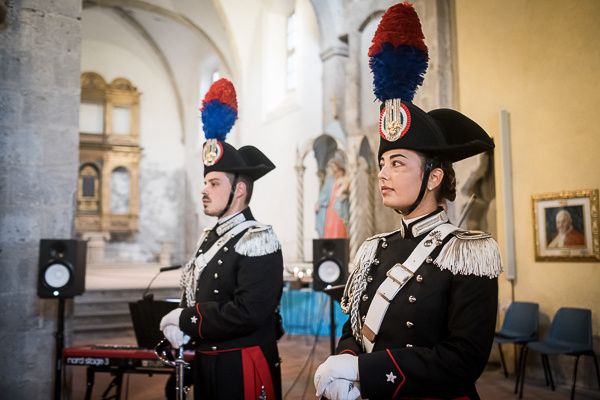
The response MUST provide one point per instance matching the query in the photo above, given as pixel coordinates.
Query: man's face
(563, 223)
(215, 194)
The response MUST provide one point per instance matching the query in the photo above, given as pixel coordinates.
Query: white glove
(344, 366)
(172, 318)
(341, 389)
(169, 325)
(175, 336)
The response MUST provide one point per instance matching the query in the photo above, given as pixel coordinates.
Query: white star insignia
(391, 377)
(194, 319)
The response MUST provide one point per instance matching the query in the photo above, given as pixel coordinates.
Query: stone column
(40, 46)
(166, 249)
(299, 205)
(334, 66)
(96, 243)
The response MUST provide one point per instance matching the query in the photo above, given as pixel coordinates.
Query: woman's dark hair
(447, 188)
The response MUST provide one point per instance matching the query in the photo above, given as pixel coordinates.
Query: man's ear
(241, 189)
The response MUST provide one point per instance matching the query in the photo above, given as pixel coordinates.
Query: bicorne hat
(219, 113)
(398, 58)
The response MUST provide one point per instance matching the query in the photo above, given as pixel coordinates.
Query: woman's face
(400, 178)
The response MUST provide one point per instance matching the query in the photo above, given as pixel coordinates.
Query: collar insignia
(230, 223)
(427, 224)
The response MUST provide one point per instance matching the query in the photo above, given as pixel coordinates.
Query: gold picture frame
(566, 226)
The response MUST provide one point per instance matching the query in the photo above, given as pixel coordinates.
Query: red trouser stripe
(257, 374)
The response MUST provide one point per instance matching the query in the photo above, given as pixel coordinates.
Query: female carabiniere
(422, 300)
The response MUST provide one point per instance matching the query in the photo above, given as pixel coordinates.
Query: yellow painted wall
(540, 60)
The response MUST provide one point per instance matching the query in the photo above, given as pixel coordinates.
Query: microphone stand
(150, 297)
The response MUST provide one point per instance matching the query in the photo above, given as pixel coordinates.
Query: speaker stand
(60, 344)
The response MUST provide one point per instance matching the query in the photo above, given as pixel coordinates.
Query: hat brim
(247, 160)
(254, 172)
(464, 136)
(258, 163)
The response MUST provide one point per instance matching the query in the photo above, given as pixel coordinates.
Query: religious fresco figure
(332, 208)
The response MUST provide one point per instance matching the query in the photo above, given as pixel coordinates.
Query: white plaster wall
(276, 121)
(113, 49)
(369, 105)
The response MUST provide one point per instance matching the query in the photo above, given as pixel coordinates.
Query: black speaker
(61, 271)
(330, 263)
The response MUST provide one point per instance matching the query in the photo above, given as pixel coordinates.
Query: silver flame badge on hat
(212, 152)
(394, 120)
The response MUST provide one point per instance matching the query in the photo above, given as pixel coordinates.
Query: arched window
(119, 191)
(291, 78)
(88, 193)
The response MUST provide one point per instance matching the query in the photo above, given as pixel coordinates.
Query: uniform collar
(419, 226)
(226, 224)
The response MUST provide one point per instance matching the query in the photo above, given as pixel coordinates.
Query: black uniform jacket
(236, 298)
(437, 334)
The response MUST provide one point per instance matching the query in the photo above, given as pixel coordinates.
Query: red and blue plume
(219, 110)
(398, 54)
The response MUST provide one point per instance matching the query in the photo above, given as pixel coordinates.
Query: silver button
(412, 299)
(409, 324)
(376, 261)
(214, 348)
(219, 262)
(369, 278)
(216, 275)
(363, 318)
(200, 251)
(428, 260)
(384, 245)
(216, 291)
(225, 249)
(408, 345)
(365, 297)
(419, 278)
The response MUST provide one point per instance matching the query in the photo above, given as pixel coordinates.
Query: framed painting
(566, 226)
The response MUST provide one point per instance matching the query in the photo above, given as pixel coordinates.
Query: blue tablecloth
(306, 312)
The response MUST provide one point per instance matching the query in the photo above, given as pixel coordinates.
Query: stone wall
(39, 105)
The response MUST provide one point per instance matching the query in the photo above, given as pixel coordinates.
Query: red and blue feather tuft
(398, 54)
(219, 110)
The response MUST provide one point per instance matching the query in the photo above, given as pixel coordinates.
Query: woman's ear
(435, 178)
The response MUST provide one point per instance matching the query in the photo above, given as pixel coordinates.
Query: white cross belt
(397, 277)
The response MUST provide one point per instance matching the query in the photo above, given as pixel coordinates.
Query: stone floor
(302, 355)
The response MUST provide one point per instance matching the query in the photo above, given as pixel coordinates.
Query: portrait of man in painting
(565, 227)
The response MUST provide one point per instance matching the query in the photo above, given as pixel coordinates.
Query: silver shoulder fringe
(471, 253)
(258, 241)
